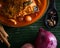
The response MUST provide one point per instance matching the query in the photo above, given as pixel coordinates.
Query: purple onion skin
(45, 39)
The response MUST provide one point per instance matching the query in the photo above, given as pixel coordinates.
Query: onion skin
(45, 39)
(27, 45)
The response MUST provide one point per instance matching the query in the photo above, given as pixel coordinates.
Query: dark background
(27, 34)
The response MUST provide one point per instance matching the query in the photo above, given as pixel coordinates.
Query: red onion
(27, 45)
(45, 39)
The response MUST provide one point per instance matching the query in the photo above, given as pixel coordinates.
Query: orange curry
(17, 13)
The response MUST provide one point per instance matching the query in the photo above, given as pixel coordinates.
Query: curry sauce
(20, 12)
(16, 8)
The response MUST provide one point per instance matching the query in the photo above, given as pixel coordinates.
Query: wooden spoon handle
(4, 39)
(3, 32)
(1, 40)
